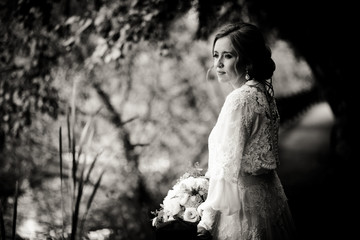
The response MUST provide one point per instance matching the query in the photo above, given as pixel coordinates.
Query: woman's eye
(228, 56)
(215, 55)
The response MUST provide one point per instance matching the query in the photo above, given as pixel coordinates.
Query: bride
(246, 199)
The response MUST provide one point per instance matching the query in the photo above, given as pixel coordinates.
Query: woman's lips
(220, 72)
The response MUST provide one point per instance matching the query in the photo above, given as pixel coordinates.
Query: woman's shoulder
(246, 92)
(247, 95)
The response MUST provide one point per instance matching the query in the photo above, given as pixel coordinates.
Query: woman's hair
(253, 53)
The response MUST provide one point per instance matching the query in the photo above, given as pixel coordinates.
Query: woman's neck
(238, 83)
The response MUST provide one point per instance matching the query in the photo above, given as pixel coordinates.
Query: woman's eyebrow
(225, 52)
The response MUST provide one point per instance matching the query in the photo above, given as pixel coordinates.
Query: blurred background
(104, 104)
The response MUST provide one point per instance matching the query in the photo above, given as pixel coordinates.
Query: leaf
(69, 41)
(21, 61)
(76, 211)
(84, 134)
(16, 197)
(61, 180)
(86, 24)
(91, 168)
(72, 20)
(73, 142)
(90, 200)
(96, 186)
(2, 223)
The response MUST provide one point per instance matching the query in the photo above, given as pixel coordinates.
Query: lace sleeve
(226, 144)
(234, 126)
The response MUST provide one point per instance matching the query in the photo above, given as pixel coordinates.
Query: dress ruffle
(223, 196)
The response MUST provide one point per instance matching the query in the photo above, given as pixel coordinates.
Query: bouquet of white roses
(182, 200)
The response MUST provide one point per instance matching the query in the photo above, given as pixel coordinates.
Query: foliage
(80, 173)
(32, 30)
(28, 51)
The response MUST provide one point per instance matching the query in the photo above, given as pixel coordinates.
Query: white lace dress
(246, 199)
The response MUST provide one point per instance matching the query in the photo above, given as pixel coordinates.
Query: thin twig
(129, 120)
(61, 184)
(73, 142)
(15, 210)
(140, 144)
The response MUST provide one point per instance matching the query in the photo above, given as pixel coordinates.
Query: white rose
(191, 215)
(184, 198)
(188, 182)
(166, 217)
(171, 194)
(172, 205)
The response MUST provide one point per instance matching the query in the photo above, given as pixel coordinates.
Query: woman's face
(224, 61)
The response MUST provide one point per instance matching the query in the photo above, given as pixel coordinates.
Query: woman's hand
(203, 234)
(207, 220)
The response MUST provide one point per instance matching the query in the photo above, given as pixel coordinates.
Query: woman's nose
(219, 63)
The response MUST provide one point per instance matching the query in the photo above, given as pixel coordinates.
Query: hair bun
(264, 68)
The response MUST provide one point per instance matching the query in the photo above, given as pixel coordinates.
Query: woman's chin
(222, 80)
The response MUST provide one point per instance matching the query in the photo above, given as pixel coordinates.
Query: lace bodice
(243, 154)
(245, 135)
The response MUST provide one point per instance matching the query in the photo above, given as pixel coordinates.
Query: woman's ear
(249, 69)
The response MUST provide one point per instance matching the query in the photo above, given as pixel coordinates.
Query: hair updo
(253, 53)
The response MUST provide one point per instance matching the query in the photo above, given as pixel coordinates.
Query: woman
(246, 199)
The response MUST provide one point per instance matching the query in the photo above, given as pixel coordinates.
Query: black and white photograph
(178, 120)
